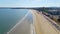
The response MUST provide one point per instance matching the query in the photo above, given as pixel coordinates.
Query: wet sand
(24, 27)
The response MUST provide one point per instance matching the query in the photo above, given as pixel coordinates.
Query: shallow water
(9, 17)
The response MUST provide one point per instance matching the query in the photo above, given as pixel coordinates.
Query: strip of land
(42, 25)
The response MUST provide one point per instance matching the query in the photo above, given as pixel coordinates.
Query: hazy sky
(29, 3)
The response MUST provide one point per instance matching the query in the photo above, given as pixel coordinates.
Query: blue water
(9, 17)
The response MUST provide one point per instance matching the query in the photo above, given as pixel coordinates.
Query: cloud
(37, 0)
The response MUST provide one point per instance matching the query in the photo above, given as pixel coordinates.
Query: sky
(29, 3)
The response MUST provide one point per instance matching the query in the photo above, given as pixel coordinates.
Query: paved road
(42, 25)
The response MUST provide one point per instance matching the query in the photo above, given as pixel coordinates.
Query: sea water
(9, 17)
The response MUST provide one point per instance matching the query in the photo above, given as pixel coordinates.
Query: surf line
(18, 22)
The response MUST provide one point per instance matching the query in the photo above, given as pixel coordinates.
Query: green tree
(45, 10)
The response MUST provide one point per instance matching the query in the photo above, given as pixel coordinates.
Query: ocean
(9, 17)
